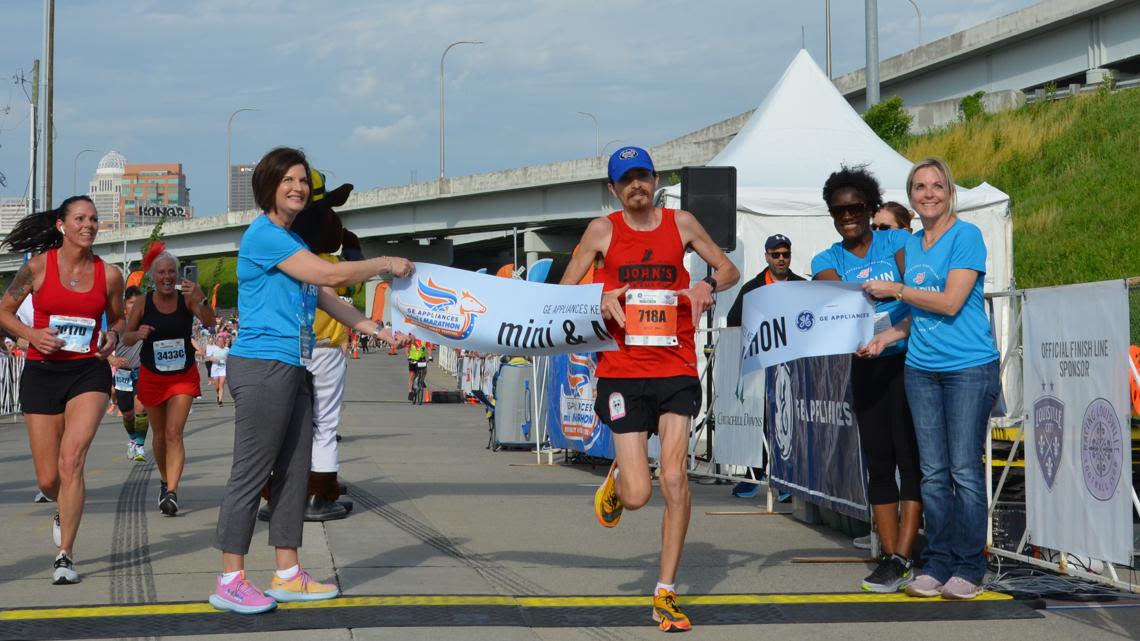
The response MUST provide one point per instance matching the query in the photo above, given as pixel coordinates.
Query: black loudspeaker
(709, 193)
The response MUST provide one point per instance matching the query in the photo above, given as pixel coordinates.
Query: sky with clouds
(356, 83)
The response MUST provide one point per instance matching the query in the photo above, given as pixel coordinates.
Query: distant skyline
(358, 90)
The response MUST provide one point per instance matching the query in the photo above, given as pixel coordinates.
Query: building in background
(241, 188)
(11, 211)
(104, 190)
(152, 192)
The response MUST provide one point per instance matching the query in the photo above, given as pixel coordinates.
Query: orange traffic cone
(355, 351)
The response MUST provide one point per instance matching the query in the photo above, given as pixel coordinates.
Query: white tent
(802, 132)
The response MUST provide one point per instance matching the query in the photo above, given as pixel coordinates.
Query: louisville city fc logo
(1048, 436)
(442, 310)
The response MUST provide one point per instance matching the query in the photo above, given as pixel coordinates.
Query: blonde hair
(941, 167)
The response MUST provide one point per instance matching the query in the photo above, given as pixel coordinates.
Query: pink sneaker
(924, 586)
(959, 588)
(240, 596)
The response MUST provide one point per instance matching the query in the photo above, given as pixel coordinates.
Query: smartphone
(190, 273)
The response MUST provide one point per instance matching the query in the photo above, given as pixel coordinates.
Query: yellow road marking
(524, 602)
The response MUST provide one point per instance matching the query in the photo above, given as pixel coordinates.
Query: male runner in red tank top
(650, 384)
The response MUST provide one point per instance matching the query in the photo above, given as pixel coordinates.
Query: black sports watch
(711, 281)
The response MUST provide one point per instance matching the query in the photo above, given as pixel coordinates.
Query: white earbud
(61, 232)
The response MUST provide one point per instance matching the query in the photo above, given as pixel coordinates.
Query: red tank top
(53, 299)
(648, 260)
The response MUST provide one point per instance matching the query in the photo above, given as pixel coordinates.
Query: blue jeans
(951, 412)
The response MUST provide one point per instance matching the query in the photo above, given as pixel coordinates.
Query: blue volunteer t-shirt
(276, 310)
(878, 264)
(941, 343)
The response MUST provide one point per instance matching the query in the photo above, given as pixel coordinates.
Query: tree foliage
(890, 121)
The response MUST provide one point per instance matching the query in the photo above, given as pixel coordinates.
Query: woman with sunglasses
(886, 431)
(951, 380)
(891, 216)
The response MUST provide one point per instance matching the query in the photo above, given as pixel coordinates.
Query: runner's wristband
(711, 281)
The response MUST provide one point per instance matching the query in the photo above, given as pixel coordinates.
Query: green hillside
(1072, 170)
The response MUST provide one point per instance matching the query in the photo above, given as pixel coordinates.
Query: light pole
(75, 167)
(607, 145)
(442, 156)
(919, 14)
(597, 144)
(229, 137)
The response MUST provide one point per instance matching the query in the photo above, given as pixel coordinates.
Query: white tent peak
(802, 132)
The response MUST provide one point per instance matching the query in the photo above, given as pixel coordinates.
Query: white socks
(228, 577)
(671, 587)
(288, 573)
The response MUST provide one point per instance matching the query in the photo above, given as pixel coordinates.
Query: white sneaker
(140, 453)
(862, 542)
(56, 531)
(40, 497)
(64, 573)
(131, 450)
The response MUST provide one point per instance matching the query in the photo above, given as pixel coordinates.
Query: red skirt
(155, 389)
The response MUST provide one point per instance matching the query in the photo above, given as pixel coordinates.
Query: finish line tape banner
(485, 313)
(1078, 459)
(790, 320)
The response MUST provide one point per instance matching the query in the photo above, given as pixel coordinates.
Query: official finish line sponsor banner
(813, 436)
(499, 315)
(1078, 459)
(739, 421)
(790, 320)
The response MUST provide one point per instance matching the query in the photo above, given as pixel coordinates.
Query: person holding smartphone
(168, 379)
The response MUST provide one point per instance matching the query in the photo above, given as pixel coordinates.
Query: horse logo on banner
(444, 311)
(1049, 437)
(579, 422)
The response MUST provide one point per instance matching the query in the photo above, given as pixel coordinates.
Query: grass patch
(1071, 168)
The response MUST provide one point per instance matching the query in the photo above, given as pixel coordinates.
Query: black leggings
(886, 429)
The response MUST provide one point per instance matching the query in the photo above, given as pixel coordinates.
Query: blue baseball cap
(627, 158)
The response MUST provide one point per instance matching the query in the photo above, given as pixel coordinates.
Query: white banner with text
(485, 313)
(1078, 459)
(790, 320)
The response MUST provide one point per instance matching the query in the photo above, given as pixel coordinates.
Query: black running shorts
(635, 404)
(47, 386)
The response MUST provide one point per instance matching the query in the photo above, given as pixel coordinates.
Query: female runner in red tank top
(66, 380)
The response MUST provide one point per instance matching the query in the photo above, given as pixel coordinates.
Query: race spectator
(951, 378)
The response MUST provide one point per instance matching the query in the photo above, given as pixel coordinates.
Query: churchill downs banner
(812, 434)
(485, 313)
(786, 321)
(739, 417)
(570, 392)
(1078, 459)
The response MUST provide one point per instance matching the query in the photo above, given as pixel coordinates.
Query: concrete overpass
(1056, 41)
(421, 221)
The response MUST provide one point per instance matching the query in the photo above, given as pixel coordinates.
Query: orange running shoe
(607, 505)
(666, 613)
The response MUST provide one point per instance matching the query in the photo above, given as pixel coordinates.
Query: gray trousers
(273, 432)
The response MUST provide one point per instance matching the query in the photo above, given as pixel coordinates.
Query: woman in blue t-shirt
(951, 380)
(886, 432)
(280, 285)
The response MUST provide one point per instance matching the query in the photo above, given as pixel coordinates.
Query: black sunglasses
(881, 226)
(852, 209)
(783, 254)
